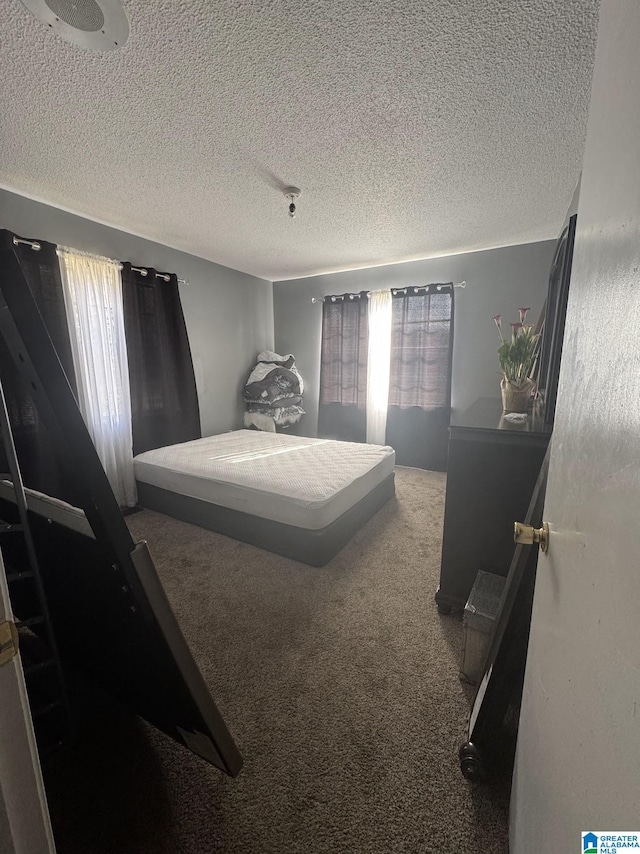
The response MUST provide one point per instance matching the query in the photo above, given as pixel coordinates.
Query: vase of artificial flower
(517, 356)
(515, 398)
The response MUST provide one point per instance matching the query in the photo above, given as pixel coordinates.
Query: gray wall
(498, 282)
(229, 315)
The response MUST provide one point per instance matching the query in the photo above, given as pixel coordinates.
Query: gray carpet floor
(340, 685)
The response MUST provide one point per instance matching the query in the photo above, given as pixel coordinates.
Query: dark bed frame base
(314, 548)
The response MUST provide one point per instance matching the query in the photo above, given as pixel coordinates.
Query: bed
(296, 496)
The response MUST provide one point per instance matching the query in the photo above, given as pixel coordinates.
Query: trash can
(478, 619)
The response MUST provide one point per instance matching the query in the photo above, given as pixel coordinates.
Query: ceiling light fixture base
(100, 25)
(292, 193)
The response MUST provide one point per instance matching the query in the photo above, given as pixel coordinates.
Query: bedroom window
(378, 366)
(418, 362)
(120, 335)
(93, 296)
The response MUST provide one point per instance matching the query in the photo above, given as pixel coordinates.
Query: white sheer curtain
(378, 366)
(93, 298)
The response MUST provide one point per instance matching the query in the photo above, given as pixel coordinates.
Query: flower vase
(515, 398)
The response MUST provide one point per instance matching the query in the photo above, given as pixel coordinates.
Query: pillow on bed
(280, 361)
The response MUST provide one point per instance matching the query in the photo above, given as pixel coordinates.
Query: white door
(24, 817)
(578, 758)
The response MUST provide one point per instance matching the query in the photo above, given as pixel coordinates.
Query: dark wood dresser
(492, 470)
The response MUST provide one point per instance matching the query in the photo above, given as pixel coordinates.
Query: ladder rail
(6, 436)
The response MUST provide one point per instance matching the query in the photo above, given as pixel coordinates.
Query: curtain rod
(144, 272)
(395, 291)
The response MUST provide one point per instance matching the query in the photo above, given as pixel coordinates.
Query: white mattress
(304, 482)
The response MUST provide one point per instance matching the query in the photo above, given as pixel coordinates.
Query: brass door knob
(527, 535)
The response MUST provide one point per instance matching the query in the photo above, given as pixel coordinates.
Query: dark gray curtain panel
(420, 381)
(164, 400)
(35, 450)
(343, 367)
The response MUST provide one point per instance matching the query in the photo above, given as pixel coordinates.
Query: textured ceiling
(414, 128)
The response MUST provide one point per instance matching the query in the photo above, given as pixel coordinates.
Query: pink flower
(515, 328)
(498, 322)
(523, 314)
